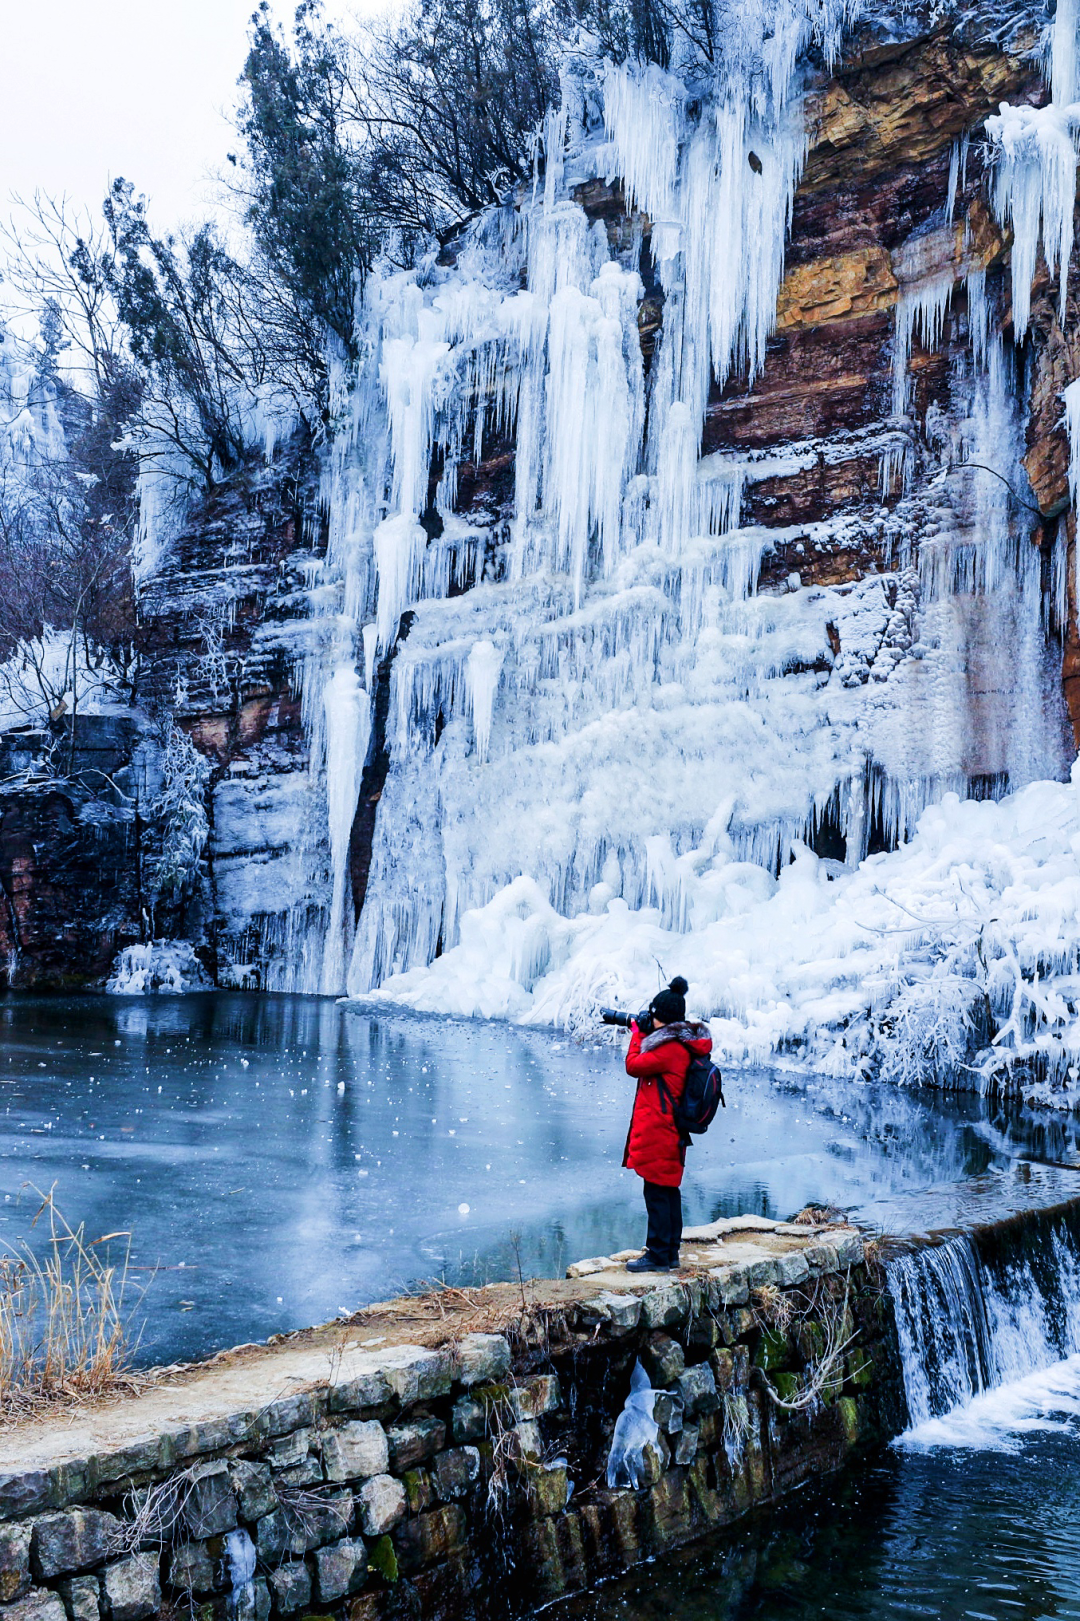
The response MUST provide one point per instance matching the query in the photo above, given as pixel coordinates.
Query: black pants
(664, 1206)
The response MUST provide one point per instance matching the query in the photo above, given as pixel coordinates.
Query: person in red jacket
(659, 1057)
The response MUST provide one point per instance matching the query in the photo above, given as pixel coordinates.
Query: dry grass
(66, 1307)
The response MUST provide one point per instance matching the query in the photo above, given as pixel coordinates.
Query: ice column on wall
(1034, 190)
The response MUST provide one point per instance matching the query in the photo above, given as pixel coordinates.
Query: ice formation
(167, 966)
(1035, 180)
(591, 740)
(889, 969)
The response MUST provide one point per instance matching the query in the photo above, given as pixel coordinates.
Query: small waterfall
(982, 1312)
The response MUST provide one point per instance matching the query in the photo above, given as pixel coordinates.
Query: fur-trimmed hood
(685, 1031)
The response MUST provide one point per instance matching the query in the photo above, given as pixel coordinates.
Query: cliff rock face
(71, 892)
(854, 456)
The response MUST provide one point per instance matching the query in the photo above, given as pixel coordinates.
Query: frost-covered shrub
(927, 1031)
(180, 815)
(165, 966)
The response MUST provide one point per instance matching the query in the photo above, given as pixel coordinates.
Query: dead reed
(66, 1314)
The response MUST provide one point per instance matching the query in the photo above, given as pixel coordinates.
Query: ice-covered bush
(180, 813)
(167, 966)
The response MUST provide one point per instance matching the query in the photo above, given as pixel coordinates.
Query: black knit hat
(669, 1007)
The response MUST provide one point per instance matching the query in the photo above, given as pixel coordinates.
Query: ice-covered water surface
(282, 1158)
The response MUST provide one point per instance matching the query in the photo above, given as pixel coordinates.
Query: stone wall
(467, 1480)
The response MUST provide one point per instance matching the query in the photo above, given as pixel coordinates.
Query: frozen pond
(282, 1159)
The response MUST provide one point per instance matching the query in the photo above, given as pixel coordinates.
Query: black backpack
(702, 1095)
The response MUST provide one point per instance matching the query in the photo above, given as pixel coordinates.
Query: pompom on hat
(669, 1007)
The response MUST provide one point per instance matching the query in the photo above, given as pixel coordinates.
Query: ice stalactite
(1035, 157)
(348, 728)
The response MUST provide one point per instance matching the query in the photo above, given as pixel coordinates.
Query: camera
(611, 1015)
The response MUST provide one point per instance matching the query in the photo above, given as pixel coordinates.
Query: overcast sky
(93, 89)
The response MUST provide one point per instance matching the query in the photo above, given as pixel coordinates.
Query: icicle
(1035, 160)
(482, 670)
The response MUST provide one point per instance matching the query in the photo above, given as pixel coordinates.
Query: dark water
(281, 1159)
(947, 1535)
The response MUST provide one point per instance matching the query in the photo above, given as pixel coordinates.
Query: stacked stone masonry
(468, 1481)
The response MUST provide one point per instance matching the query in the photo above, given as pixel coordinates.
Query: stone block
(381, 1503)
(670, 1504)
(308, 1473)
(793, 1269)
(340, 1569)
(361, 1391)
(740, 1356)
(723, 1366)
(419, 1490)
(325, 1519)
(686, 1445)
(455, 1471)
(410, 1444)
(37, 1605)
(468, 1421)
(414, 1374)
(130, 1588)
(528, 1445)
(73, 1540)
(704, 1331)
(291, 1413)
(251, 1602)
(24, 1491)
(550, 1489)
(732, 1285)
(290, 1587)
(81, 1596)
(697, 1388)
(668, 1411)
(654, 1460)
(535, 1397)
(849, 1419)
(254, 1488)
(481, 1359)
(279, 1534)
(290, 1450)
(210, 1505)
(663, 1360)
(14, 1562)
(759, 1274)
(191, 1569)
(774, 1350)
(821, 1258)
(621, 1313)
(666, 1307)
(430, 1537)
(356, 1451)
(851, 1251)
(860, 1367)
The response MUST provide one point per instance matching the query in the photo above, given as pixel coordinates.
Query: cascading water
(989, 1331)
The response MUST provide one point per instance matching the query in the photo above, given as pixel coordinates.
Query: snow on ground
(954, 960)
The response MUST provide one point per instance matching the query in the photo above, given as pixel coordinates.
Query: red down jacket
(654, 1148)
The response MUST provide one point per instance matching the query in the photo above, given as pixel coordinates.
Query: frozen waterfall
(570, 701)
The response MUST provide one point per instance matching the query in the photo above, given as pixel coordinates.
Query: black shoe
(646, 1263)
